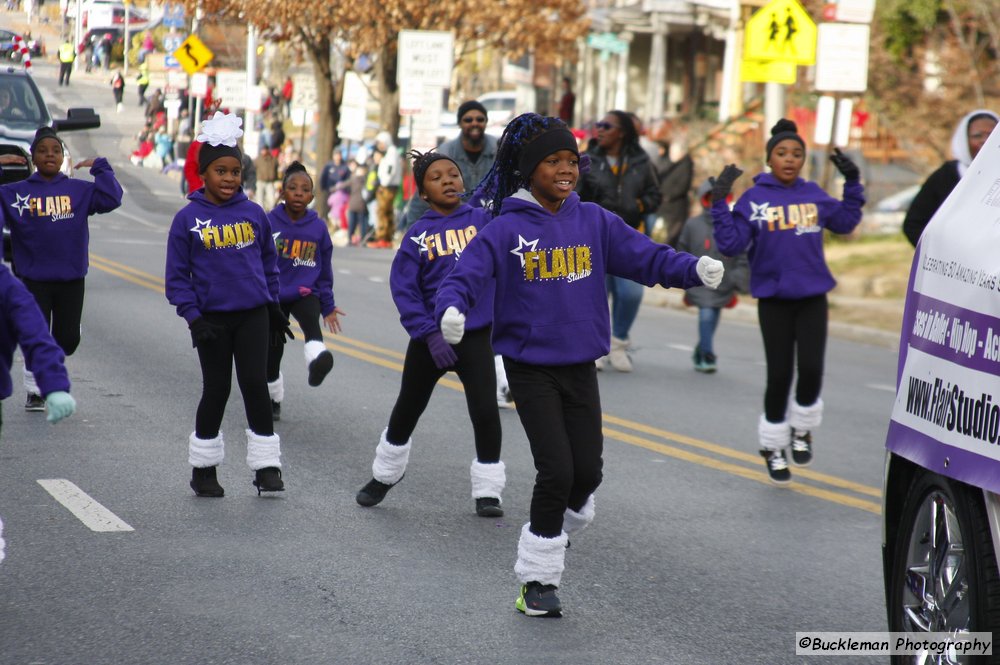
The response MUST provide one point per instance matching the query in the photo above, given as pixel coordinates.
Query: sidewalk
(746, 312)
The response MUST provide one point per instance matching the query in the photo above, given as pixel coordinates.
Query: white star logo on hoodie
(522, 244)
(760, 212)
(421, 241)
(199, 226)
(21, 204)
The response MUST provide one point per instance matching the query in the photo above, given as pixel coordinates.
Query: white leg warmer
(390, 461)
(540, 559)
(313, 349)
(263, 451)
(574, 522)
(805, 417)
(276, 389)
(29, 383)
(501, 373)
(204, 453)
(773, 436)
(488, 480)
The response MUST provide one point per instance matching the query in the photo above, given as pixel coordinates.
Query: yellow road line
(745, 457)
(366, 351)
(743, 472)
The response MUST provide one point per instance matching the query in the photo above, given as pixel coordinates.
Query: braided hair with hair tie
(422, 161)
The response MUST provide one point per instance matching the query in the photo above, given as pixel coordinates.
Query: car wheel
(944, 574)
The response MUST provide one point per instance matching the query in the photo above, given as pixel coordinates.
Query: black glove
(202, 331)
(724, 182)
(278, 323)
(847, 168)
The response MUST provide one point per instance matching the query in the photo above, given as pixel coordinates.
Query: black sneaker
(487, 506)
(538, 600)
(373, 493)
(205, 483)
(777, 465)
(34, 403)
(320, 367)
(268, 479)
(275, 411)
(802, 451)
(708, 363)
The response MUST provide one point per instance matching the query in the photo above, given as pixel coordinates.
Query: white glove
(453, 325)
(710, 272)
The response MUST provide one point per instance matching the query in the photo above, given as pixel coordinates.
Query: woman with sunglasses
(623, 181)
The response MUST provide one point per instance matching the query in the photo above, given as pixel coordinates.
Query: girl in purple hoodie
(305, 255)
(430, 251)
(48, 217)
(780, 220)
(549, 254)
(222, 276)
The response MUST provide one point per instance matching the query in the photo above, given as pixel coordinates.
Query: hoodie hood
(960, 139)
(528, 207)
(198, 196)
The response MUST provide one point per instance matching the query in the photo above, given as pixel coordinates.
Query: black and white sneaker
(320, 367)
(802, 451)
(373, 493)
(504, 399)
(538, 600)
(34, 402)
(777, 465)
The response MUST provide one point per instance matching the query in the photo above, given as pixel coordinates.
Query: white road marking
(140, 220)
(95, 516)
(881, 386)
(377, 280)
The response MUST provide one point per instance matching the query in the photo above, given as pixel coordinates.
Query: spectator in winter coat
(621, 180)
(698, 238)
(970, 135)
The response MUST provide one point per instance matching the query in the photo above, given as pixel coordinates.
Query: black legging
(245, 341)
(62, 306)
(477, 371)
(307, 312)
(794, 332)
(560, 409)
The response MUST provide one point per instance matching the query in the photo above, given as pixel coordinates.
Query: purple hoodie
(220, 258)
(782, 225)
(47, 219)
(551, 304)
(22, 323)
(305, 256)
(430, 250)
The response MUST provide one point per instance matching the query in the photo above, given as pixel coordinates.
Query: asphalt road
(694, 556)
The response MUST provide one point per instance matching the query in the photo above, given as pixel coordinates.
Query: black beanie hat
(555, 138)
(471, 105)
(208, 153)
(44, 133)
(783, 129)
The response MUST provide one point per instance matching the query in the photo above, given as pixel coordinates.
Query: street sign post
(781, 31)
(193, 55)
(426, 59)
(842, 58)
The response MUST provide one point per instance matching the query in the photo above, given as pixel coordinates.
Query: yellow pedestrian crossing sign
(193, 55)
(783, 31)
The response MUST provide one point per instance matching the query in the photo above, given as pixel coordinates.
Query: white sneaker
(619, 356)
(601, 362)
